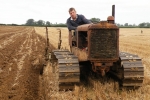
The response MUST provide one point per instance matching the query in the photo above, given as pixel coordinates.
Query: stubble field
(20, 78)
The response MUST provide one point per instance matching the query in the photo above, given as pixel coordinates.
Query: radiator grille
(103, 43)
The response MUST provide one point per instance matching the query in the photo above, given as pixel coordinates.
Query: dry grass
(81, 54)
(54, 34)
(131, 40)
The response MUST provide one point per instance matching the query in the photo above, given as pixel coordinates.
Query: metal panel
(68, 61)
(69, 79)
(69, 69)
(66, 56)
(104, 44)
(84, 27)
(132, 83)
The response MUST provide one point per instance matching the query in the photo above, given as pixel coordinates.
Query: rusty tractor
(97, 45)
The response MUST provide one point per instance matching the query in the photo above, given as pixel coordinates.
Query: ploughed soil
(20, 51)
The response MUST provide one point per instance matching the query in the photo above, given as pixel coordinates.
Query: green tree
(30, 22)
(95, 20)
(142, 25)
(148, 25)
(118, 24)
(40, 22)
(126, 24)
(48, 23)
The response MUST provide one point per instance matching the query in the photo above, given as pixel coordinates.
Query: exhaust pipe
(113, 12)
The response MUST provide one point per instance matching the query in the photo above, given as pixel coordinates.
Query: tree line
(141, 25)
(32, 22)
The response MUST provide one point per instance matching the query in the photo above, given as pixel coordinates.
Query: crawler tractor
(96, 45)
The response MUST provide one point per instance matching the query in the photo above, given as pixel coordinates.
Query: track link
(67, 68)
(133, 70)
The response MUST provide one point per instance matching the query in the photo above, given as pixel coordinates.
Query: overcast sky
(19, 11)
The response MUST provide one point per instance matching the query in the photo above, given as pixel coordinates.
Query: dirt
(20, 79)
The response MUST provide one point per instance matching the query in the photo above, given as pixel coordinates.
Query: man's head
(72, 13)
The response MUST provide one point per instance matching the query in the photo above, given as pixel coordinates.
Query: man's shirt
(80, 20)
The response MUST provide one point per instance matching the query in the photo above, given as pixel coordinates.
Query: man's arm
(70, 27)
(86, 21)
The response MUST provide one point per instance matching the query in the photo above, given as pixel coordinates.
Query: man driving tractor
(75, 19)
